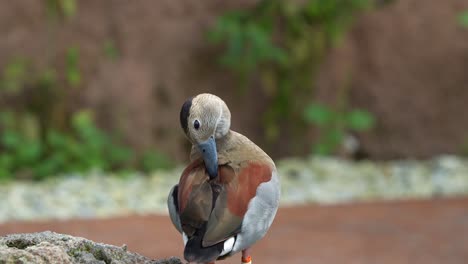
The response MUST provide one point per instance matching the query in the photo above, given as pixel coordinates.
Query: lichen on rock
(49, 247)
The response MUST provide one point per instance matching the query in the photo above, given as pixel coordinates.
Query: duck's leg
(246, 258)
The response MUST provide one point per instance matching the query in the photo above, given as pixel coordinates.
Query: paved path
(426, 232)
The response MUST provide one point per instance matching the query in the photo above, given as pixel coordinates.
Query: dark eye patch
(184, 114)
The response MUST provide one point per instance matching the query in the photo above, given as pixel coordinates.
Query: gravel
(304, 181)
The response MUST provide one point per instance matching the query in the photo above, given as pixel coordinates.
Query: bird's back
(214, 210)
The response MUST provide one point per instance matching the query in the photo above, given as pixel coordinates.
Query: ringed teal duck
(227, 197)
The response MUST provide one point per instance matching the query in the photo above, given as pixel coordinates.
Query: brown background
(406, 62)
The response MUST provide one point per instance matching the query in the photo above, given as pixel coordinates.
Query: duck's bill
(210, 156)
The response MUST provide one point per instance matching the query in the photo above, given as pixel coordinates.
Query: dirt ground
(413, 232)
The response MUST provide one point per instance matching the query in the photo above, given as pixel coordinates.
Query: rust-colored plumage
(232, 191)
(187, 180)
(242, 186)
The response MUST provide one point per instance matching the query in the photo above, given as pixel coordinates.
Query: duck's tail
(195, 252)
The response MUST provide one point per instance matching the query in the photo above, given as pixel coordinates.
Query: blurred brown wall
(406, 62)
(164, 59)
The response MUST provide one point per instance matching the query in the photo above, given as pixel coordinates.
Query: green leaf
(319, 114)
(28, 152)
(224, 27)
(29, 126)
(6, 162)
(5, 175)
(7, 120)
(153, 160)
(334, 137)
(73, 77)
(463, 19)
(82, 119)
(110, 50)
(46, 168)
(72, 68)
(118, 154)
(14, 75)
(360, 120)
(10, 139)
(68, 7)
(329, 141)
(322, 149)
(57, 141)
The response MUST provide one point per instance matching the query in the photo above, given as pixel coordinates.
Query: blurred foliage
(43, 131)
(27, 156)
(44, 138)
(334, 124)
(463, 19)
(63, 8)
(284, 43)
(110, 50)
(42, 92)
(72, 70)
(152, 160)
(464, 147)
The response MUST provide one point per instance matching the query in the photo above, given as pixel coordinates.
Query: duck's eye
(196, 124)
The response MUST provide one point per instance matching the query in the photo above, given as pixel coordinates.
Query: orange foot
(246, 258)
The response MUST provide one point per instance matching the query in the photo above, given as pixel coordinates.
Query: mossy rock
(49, 247)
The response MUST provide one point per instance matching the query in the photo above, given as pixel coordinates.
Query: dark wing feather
(195, 198)
(172, 206)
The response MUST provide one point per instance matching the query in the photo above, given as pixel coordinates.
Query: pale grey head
(205, 118)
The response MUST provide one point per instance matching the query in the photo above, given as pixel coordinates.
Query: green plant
(84, 149)
(152, 160)
(13, 75)
(42, 133)
(110, 50)
(72, 70)
(283, 43)
(464, 147)
(463, 19)
(334, 123)
(65, 8)
(42, 94)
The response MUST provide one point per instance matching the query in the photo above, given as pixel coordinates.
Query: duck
(228, 195)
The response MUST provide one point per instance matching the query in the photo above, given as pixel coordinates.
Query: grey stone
(49, 247)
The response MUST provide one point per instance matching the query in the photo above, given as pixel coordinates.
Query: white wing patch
(228, 245)
(185, 238)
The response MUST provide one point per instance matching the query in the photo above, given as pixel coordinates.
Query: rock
(49, 247)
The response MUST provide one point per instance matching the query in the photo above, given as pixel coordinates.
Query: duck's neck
(234, 147)
(222, 143)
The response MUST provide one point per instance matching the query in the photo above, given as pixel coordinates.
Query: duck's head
(205, 118)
